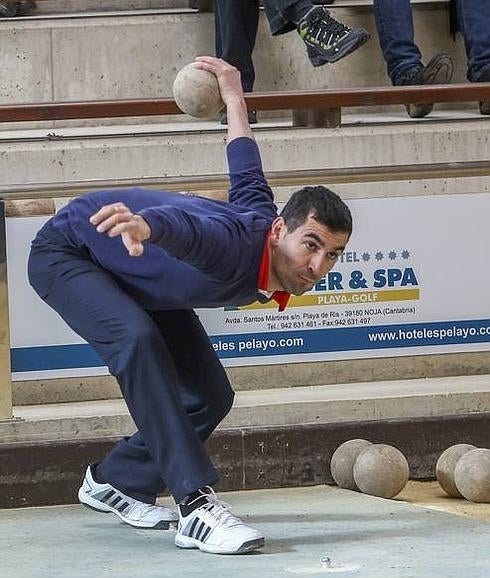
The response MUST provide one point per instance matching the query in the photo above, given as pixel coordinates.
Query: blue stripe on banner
(280, 343)
(54, 357)
(352, 338)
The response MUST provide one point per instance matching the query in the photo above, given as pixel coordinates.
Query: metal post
(5, 373)
(317, 117)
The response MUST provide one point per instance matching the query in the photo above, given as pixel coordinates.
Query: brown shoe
(439, 70)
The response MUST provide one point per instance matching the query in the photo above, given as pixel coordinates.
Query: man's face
(301, 258)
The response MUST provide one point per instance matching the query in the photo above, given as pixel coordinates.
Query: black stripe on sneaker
(193, 525)
(205, 535)
(199, 530)
(122, 507)
(107, 496)
(115, 501)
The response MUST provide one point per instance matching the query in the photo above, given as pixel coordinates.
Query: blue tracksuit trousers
(175, 388)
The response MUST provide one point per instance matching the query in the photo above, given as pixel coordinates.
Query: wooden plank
(29, 207)
(371, 96)
(292, 100)
(5, 376)
(318, 118)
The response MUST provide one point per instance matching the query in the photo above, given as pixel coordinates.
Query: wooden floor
(430, 495)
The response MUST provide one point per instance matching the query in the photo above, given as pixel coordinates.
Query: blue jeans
(474, 24)
(284, 15)
(396, 35)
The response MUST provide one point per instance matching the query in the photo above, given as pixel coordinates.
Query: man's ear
(278, 228)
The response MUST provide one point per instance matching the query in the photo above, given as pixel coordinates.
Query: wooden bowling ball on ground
(472, 475)
(342, 462)
(445, 468)
(381, 470)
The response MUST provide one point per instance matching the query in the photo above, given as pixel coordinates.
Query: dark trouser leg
(236, 23)
(284, 15)
(131, 345)
(394, 23)
(204, 391)
(474, 23)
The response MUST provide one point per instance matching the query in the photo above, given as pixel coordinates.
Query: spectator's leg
(474, 23)
(284, 15)
(394, 22)
(236, 23)
(326, 39)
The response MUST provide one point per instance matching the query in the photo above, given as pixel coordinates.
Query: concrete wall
(128, 56)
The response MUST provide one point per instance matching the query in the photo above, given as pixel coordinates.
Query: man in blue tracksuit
(126, 268)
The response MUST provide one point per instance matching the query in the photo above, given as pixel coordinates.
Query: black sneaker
(439, 70)
(327, 39)
(8, 9)
(252, 117)
(25, 7)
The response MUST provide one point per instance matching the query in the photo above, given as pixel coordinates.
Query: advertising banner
(413, 280)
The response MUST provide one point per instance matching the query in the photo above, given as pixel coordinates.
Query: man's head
(307, 239)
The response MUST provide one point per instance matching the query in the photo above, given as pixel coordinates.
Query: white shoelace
(220, 511)
(142, 509)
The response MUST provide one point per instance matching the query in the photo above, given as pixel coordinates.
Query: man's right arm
(231, 91)
(248, 184)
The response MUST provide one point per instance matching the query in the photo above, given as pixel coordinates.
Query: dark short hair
(324, 205)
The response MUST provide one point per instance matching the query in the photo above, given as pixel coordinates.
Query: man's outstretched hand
(116, 219)
(228, 77)
(231, 91)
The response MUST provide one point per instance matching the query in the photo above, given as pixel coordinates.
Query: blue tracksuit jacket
(202, 253)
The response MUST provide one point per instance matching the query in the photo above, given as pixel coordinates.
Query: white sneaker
(106, 498)
(213, 528)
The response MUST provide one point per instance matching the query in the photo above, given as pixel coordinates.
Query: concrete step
(257, 377)
(273, 438)
(444, 137)
(69, 7)
(77, 6)
(137, 55)
(291, 407)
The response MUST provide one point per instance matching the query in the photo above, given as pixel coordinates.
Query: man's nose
(317, 266)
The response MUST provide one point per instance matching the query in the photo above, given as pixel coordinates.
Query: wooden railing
(317, 108)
